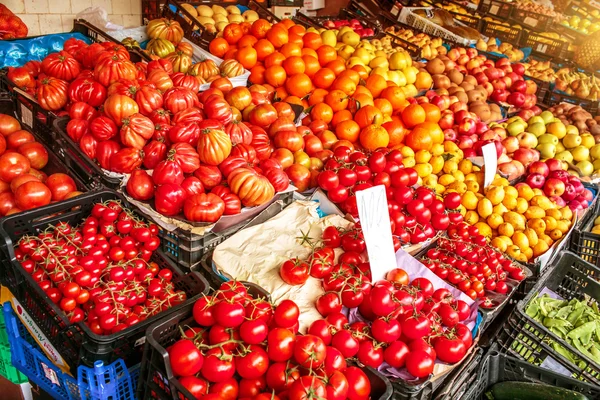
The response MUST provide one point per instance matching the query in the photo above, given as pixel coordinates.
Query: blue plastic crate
(101, 382)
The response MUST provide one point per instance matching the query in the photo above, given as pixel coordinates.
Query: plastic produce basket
(553, 98)
(8, 106)
(194, 31)
(527, 339)
(7, 369)
(544, 46)
(408, 17)
(157, 380)
(531, 20)
(585, 243)
(461, 379)
(188, 249)
(495, 8)
(468, 20)
(496, 367)
(99, 382)
(504, 32)
(75, 342)
(30, 113)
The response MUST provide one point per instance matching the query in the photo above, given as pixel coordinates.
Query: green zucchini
(531, 391)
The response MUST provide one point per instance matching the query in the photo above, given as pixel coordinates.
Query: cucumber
(531, 391)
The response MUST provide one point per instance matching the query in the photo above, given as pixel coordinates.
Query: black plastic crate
(468, 19)
(187, 249)
(584, 243)
(151, 9)
(286, 3)
(553, 98)
(544, 46)
(194, 31)
(30, 113)
(75, 342)
(527, 339)
(156, 377)
(496, 8)
(504, 32)
(72, 155)
(461, 379)
(531, 20)
(8, 106)
(496, 367)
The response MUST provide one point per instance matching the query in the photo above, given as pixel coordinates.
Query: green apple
(547, 150)
(560, 147)
(350, 38)
(535, 119)
(516, 127)
(527, 140)
(571, 141)
(513, 119)
(586, 167)
(572, 129)
(547, 116)
(595, 152)
(580, 153)
(587, 140)
(564, 156)
(537, 128)
(546, 138)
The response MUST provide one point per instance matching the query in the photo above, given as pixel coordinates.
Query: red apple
(502, 61)
(518, 86)
(536, 181)
(539, 167)
(450, 135)
(554, 164)
(453, 54)
(465, 142)
(554, 187)
(559, 201)
(526, 114)
(481, 78)
(511, 144)
(531, 86)
(458, 106)
(472, 53)
(468, 153)
(499, 95)
(518, 68)
(463, 59)
(467, 126)
(481, 127)
(536, 110)
(529, 102)
(514, 77)
(559, 174)
(447, 120)
(526, 156)
(569, 193)
(516, 99)
(499, 84)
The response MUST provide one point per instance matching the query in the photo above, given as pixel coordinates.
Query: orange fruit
(324, 78)
(376, 84)
(294, 65)
(432, 112)
(312, 40)
(384, 105)
(339, 116)
(395, 96)
(317, 96)
(413, 115)
(344, 84)
(337, 100)
(326, 54)
(321, 111)
(311, 65)
(291, 49)
(347, 130)
(299, 85)
(373, 137)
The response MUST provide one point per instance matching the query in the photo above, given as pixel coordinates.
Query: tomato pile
(467, 261)
(415, 214)
(402, 324)
(23, 184)
(244, 347)
(100, 271)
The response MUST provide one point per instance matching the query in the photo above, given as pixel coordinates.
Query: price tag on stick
(490, 162)
(375, 222)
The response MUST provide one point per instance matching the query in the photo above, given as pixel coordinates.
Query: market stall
(395, 201)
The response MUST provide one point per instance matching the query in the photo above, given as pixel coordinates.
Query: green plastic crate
(6, 368)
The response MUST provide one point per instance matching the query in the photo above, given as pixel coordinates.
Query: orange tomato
(344, 84)
(413, 115)
(317, 96)
(432, 112)
(351, 74)
(299, 85)
(294, 100)
(274, 59)
(362, 71)
(288, 23)
(363, 99)
(294, 65)
(384, 106)
(280, 93)
(373, 137)
(337, 67)
(259, 28)
(284, 109)
(275, 76)
(368, 115)
(376, 84)
(347, 130)
(291, 49)
(326, 54)
(295, 39)
(396, 131)
(337, 100)
(218, 47)
(340, 116)
(343, 143)
(321, 111)
(323, 78)
(247, 57)
(257, 75)
(298, 30)
(232, 33)
(230, 53)
(277, 35)
(395, 96)
(247, 40)
(311, 65)
(312, 40)
(263, 48)
(310, 52)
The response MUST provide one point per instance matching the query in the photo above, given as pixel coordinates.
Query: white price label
(542, 48)
(490, 163)
(395, 10)
(26, 116)
(531, 21)
(594, 4)
(375, 222)
(494, 9)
